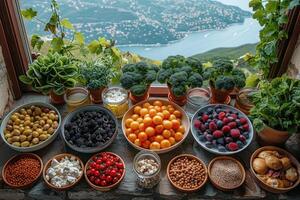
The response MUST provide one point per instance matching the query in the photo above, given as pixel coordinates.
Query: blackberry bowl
(221, 129)
(89, 129)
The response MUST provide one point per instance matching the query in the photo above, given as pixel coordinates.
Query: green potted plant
(51, 75)
(96, 76)
(137, 78)
(180, 74)
(276, 111)
(223, 79)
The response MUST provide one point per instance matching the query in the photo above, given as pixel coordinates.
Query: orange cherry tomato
(143, 112)
(150, 131)
(139, 120)
(160, 114)
(167, 124)
(137, 142)
(135, 116)
(172, 116)
(147, 121)
(175, 124)
(142, 127)
(166, 114)
(157, 103)
(146, 105)
(166, 134)
(152, 139)
(159, 129)
(157, 120)
(181, 129)
(165, 144)
(132, 137)
(177, 113)
(154, 146)
(178, 136)
(159, 138)
(157, 108)
(146, 144)
(137, 109)
(142, 136)
(134, 125)
(164, 108)
(152, 112)
(128, 122)
(172, 140)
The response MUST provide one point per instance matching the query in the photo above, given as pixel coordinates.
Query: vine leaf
(67, 24)
(37, 42)
(57, 44)
(79, 38)
(29, 13)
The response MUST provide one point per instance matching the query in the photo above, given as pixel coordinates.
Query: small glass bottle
(116, 100)
(196, 98)
(76, 97)
(243, 102)
(147, 180)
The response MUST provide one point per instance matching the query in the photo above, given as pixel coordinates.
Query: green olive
(35, 140)
(35, 126)
(35, 134)
(49, 121)
(27, 122)
(22, 138)
(22, 117)
(16, 127)
(42, 122)
(45, 118)
(51, 130)
(29, 137)
(8, 135)
(43, 137)
(52, 116)
(16, 132)
(9, 127)
(27, 132)
(17, 144)
(39, 130)
(14, 117)
(10, 140)
(23, 111)
(25, 144)
(29, 112)
(16, 138)
(17, 121)
(22, 129)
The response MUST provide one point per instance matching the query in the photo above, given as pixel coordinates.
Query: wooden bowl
(182, 189)
(15, 158)
(107, 188)
(58, 158)
(184, 120)
(283, 152)
(226, 158)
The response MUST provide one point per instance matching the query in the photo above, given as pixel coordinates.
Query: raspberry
(212, 126)
(246, 127)
(205, 117)
(217, 134)
(234, 116)
(235, 133)
(221, 115)
(232, 124)
(226, 129)
(226, 120)
(232, 146)
(197, 123)
(243, 120)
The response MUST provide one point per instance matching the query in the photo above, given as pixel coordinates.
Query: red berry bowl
(222, 129)
(104, 171)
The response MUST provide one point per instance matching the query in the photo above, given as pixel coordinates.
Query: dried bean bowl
(217, 185)
(58, 158)
(266, 187)
(189, 156)
(16, 158)
(69, 117)
(106, 188)
(40, 145)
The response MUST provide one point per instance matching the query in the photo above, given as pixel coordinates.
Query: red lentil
(22, 171)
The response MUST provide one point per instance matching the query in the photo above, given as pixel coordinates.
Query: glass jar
(116, 100)
(243, 102)
(147, 180)
(196, 98)
(76, 97)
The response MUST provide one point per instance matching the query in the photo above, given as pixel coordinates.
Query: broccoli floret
(225, 82)
(223, 65)
(128, 68)
(141, 67)
(210, 73)
(130, 79)
(163, 75)
(195, 64)
(186, 69)
(179, 90)
(153, 67)
(238, 72)
(239, 81)
(195, 80)
(150, 76)
(138, 90)
(179, 78)
(173, 62)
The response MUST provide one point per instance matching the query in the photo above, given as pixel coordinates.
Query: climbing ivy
(271, 15)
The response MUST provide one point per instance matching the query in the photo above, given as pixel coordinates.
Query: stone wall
(6, 98)
(294, 66)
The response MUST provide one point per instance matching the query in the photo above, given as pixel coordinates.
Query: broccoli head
(153, 67)
(179, 90)
(130, 79)
(195, 80)
(179, 78)
(225, 82)
(210, 73)
(128, 68)
(223, 65)
(239, 78)
(195, 64)
(173, 62)
(163, 75)
(141, 67)
(150, 76)
(138, 90)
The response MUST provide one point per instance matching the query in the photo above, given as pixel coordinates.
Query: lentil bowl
(187, 173)
(22, 171)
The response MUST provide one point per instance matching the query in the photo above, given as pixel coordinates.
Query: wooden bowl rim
(15, 157)
(294, 161)
(107, 187)
(189, 156)
(58, 157)
(227, 158)
(159, 151)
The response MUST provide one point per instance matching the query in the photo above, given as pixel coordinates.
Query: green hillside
(230, 52)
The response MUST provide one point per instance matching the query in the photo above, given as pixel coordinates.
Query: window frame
(17, 54)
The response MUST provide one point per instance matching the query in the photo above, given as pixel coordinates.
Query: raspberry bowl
(222, 129)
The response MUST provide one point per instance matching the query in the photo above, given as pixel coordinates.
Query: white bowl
(185, 122)
(40, 145)
(214, 149)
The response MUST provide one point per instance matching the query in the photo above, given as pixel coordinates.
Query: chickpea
(29, 138)
(49, 121)
(27, 122)
(22, 138)
(17, 144)
(42, 122)
(16, 127)
(6, 131)
(39, 130)
(45, 118)
(8, 135)
(10, 122)
(55, 125)
(52, 116)
(27, 132)
(22, 117)
(51, 130)
(29, 112)
(35, 134)
(16, 138)
(23, 111)
(38, 110)
(14, 117)
(10, 140)
(35, 140)
(9, 127)
(22, 129)
(25, 144)
(43, 137)
(46, 127)
(35, 126)
(17, 121)
(16, 132)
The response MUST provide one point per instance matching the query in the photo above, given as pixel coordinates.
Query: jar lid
(198, 96)
(115, 95)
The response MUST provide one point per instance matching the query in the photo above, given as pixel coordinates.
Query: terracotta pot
(96, 95)
(270, 136)
(181, 100)
(135, 99)
(56, 99)
(219, 96)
